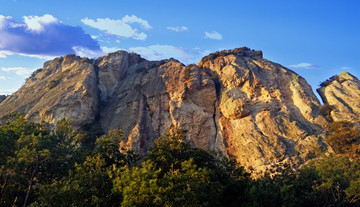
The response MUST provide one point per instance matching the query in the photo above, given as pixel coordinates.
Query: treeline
(61, 167)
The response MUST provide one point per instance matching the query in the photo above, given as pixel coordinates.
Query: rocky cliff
(2, 97)
(234, 101)
(341, 94)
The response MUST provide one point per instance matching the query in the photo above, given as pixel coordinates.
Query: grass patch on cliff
(53, 83)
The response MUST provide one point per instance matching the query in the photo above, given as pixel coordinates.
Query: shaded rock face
(342, 94)
(233, 101)
(2, 97)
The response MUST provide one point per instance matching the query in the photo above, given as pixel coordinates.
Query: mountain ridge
(234, 101)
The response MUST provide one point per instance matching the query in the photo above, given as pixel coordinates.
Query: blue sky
(316, 38)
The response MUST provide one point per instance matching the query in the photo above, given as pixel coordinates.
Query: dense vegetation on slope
(61, 167)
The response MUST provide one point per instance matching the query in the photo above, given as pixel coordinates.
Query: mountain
(341, 93)
(234, 101)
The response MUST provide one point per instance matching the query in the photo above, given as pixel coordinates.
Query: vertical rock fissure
(215, 124)
(98, 95)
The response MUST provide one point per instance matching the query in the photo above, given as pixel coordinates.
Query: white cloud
(120, 28)
(158, 52)
(3, 78)
(36, 23)
(304, 66)
(205, 52)
(84, 52)
(21, 71)
(5, 21)
(134, 19)
(94, 37)
(41, 37)
(213, 35)
(345, 68)
(7, 92)
(110, 49)
(178, 29)
(4, 54)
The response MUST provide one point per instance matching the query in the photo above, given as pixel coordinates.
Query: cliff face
(65, 87)
(342, 95)
(2, 97)
(234, 101)
(266, 112)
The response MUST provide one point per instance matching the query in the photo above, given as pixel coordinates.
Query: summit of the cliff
(240, 52)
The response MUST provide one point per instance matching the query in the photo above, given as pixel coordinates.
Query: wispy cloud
(21, 71)
(345, 68)
(213, 35)
(7, 92)
(158, 52)
(3, 78)
(110, 49)
(120, 27)
(178, 29)
(134, 19)
(304, 66)
(42, 37)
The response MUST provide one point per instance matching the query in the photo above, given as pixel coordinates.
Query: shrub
(344, 136)
(325, 110)
(52, 84)
(187, 71)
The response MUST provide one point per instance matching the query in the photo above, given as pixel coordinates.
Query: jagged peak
(342, 77)
(241, 52)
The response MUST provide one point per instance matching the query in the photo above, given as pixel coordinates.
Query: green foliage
(138, 185)
(85, 60)
(176, 174)
(338, 180)
(43, 167)
(87, 185)
(295, 79)
(344, 137)
(325, 110)
(187, 71)
(52, 84)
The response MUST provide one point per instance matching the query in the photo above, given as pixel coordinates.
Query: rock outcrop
(64, 87)
(234, 101)
(341, 94)
(267, 113)
(2, 97)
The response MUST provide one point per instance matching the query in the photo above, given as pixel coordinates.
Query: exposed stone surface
(268, 113)
(342, 94)
(65, 87)
(2, 97)
(233, 101)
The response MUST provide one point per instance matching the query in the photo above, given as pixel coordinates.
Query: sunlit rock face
(342, 95)
(234, 101)
(266, 112)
